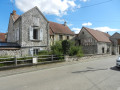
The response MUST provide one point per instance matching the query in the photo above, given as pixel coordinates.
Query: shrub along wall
(67, 48)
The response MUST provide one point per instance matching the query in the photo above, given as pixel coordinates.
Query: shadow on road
(89, 70)
(115, 68)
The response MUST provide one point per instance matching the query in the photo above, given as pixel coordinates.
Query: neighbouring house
(59, 32)
(115, 39)
(29, 30)
(3, 37)
(93, 41)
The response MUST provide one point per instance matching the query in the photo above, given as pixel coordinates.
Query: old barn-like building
(94, 41)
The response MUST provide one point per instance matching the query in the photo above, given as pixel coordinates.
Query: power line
(96, 4)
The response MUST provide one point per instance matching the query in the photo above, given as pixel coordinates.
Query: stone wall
(11, 53)
(104, 45)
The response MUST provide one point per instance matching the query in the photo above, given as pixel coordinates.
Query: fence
(29, 60)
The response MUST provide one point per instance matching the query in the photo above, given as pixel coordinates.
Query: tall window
(60, 37)
(35, 34)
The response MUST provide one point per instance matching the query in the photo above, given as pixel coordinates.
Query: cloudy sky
(103, 15)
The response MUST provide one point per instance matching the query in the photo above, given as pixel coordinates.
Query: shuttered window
(17, 34)
(41, 34)
(31, 33)
(35, 33)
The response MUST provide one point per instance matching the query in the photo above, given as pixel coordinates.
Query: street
(99, 74)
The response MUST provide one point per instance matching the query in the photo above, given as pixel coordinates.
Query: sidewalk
(48, 66)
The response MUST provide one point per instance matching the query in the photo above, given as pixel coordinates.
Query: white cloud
(84, 0)
(76, 30)
(87, 24)
(106, 29)
(56, 7)
(60, 20)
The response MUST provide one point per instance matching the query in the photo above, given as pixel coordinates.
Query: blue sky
(103, 15)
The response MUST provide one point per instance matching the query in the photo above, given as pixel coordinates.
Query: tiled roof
(2, 37)
(59, 29)
(98, 35)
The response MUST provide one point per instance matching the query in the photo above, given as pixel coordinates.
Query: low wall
(10, 53)
(74, 58)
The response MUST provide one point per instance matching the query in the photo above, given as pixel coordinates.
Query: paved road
(99, 74)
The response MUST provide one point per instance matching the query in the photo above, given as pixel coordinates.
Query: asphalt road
(99, 74)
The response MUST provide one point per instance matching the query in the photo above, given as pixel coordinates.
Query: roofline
(93, 36)
(89, 32)
(39, 12)
(60, 33)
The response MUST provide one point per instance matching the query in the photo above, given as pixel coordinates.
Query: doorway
(103, 50)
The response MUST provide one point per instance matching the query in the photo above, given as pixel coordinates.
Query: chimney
(65, 23)
(14, 12)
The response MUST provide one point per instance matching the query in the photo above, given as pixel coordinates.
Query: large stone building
(59, 32)
(94, 41)
(30, 30)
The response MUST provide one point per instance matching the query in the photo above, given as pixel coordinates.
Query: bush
(57, 48)
(73, 51)
(44, 52)
(66, 46)
(80, 52)
(76, 50)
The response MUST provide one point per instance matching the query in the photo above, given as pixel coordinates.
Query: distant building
(115, 39)
(59, 32)
(3, 37)
(94, 41)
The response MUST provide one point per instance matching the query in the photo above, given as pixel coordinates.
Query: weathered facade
(30, 30)
(93, 41)
(59, 32)
(115, 39)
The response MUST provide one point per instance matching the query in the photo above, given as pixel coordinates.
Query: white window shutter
(17, 34)
(31, 51)
(31, 33)
(41, 34)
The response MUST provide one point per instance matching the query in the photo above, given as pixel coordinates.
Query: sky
(103, 15)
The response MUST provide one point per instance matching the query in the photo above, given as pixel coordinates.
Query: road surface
(99, 74)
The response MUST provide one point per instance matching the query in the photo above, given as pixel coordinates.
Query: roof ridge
(98, 35)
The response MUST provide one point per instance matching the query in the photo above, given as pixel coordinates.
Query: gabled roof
(55, 28)
(116, 36)
(16, 16)
(2, 37)
(38, 10)
(98, 35)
